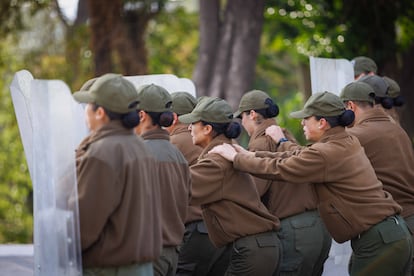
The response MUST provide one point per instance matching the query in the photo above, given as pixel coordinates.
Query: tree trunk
(407, 91)
(209, 37)
(229, 47)
(118, 35)
(103, 17)
(130, 43)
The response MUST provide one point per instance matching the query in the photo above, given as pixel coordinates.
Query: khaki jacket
(390, 151)
(229, 199)
(118, 199)
(175, 184)
(181, 138)
(277, 195)
(351, 198)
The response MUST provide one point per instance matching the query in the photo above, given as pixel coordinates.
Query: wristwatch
(281, 140)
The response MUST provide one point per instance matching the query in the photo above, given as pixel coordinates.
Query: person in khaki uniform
(233, 213)
(197, 255)
(363, 66)
(394, 93)
(118, 192)
(154, 109)
(183, 103)
(351, 200)
(386, 144)
(305, 240)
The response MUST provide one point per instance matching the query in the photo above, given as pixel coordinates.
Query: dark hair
(398, 101)
(362, 104)
(271, 111)
(230, 130)
(164, 119)
(129, 120)
(386, 102)
(345, 119)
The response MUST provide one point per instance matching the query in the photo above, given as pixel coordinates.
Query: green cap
(87, 84)
(358, 91)
(252, 100)
(325, 104)
(364, 64)
(393, 89)
(154, 98)
(183, 102)
(208, 109)
(110, 91)
(379, 85)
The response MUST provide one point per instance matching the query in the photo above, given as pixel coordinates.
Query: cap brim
(237, 114)
(83, 97)
(299, 114)
(188, 118)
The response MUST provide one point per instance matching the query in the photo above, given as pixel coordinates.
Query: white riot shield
(51, 125)
(20, 92)
(328, 74)
(170, 82)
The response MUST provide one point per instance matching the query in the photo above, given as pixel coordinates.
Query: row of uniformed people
(241, 229)
(309, 259)
(304, 240)
(376, 109)
(133, 184)
(352, 201)
(133, 190)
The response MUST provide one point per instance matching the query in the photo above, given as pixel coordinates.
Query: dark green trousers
(306, 244)
(255, 255)
(127, 270)
(410, 223)
(166, 265)
(198, 256)
(384, 250)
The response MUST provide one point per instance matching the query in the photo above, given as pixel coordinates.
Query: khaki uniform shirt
(351, 198)
(390, 151)
(181, 138)
(175, 184)
(118, 199)
(281, 198)
(229, 199)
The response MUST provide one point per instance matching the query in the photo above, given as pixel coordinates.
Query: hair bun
(233, 130)
(130, 120)
(346, 118)
(272, 110)
(398, 101)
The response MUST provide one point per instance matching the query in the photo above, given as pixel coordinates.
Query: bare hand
(275, 132)
(226, 150)
(240, 149)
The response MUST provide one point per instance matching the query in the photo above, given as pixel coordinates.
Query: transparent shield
(47, 108)
(328, 74)
(170, 82)
(20, 93)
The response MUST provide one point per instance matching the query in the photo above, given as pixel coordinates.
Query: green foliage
(297, 29)
(57, 52)
(340, 29)
(15, 186)
(12, 13)
(172, 43)
(288, 105)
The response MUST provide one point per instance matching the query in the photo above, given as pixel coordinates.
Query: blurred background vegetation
(38, 36)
